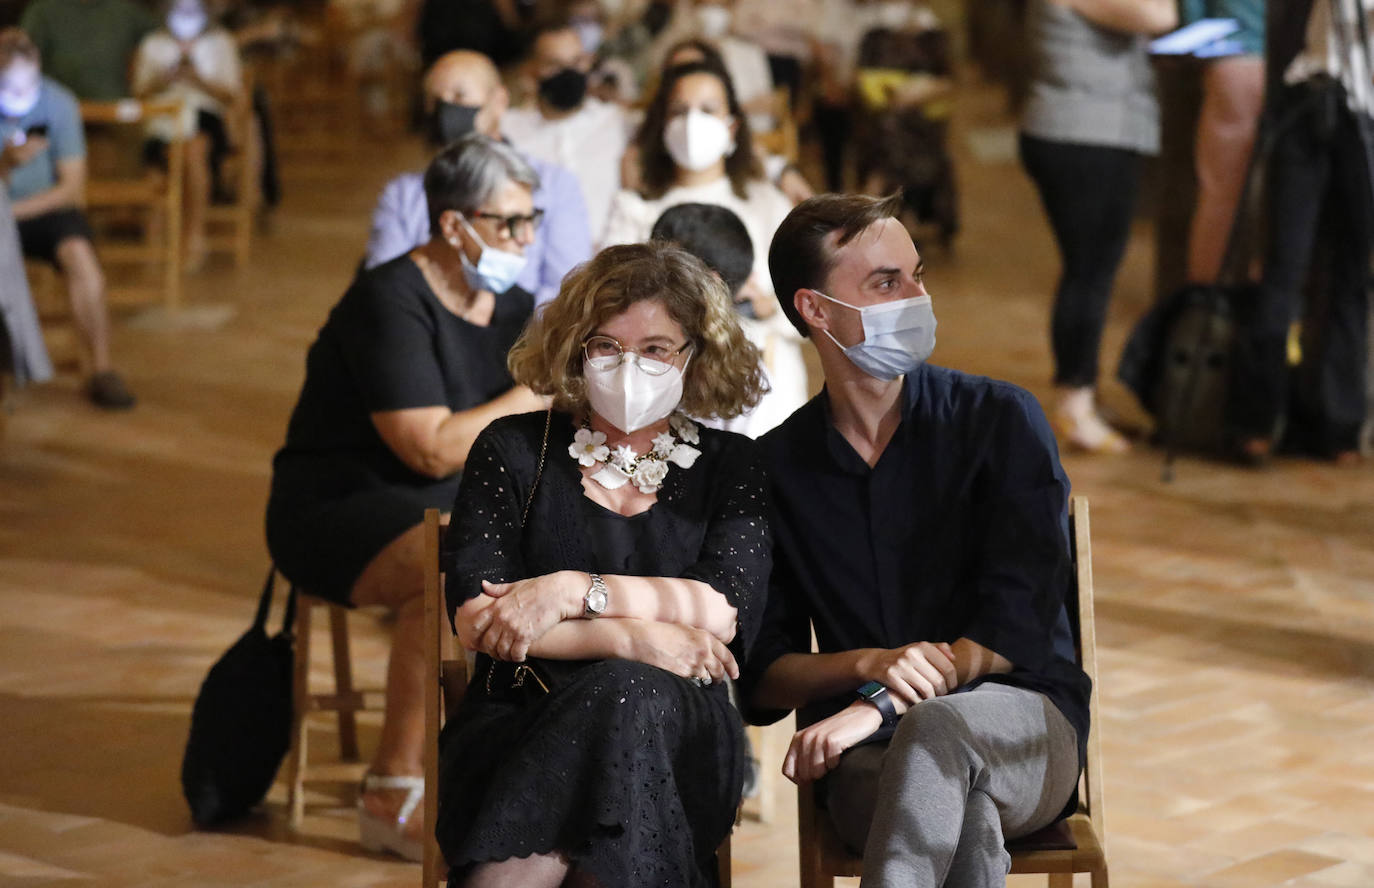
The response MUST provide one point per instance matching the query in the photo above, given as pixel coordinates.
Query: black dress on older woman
(339, 493)
(631, 771)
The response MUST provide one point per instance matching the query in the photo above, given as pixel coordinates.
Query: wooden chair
(783, 139)
(229, 226)
(1077, 845)
(345, 702)
(316, 110)
(446, 671)
(154, 197)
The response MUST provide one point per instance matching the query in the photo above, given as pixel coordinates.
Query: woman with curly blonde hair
(608, 563)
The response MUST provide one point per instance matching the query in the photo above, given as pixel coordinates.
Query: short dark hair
(467, 173)
(552, 22)
(709, 54)
(16, 44)
(800, 259)
(714, 235)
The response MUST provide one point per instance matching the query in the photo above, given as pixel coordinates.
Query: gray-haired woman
(409, 367)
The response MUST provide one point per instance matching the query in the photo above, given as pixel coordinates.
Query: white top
(762, 211)
(1332, 47)
(749, 72)
(214, 55)
(589, 142)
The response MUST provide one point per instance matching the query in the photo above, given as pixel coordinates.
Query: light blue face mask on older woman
(496, 270)
(898, 336)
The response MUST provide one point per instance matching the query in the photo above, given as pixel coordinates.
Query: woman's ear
(451, 227)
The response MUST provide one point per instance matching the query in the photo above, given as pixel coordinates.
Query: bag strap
(265, 604)
(539, 472)
(1235, 261)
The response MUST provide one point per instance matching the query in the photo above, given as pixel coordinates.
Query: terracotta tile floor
(1235, 608)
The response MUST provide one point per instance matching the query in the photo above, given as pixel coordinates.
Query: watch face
(596, 601)
(871, 690)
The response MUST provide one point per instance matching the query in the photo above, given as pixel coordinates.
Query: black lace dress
(631, 771)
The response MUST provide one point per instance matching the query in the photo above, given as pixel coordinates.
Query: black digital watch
(878, 695)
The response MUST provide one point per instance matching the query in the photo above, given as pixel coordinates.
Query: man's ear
(808, 305)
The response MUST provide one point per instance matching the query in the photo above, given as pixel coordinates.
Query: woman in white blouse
(694, 147)
(193, 60)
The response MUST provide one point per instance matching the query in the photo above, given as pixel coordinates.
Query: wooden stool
(345, 702)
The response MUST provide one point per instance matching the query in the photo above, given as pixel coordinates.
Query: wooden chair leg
(1099, 878)
(343, 684)
(301, 703)
(1061, 880)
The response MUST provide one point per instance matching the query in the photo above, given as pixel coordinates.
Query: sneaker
(107, 390)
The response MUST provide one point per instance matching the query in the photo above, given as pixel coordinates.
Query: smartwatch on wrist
(594, 602)
(878, 695)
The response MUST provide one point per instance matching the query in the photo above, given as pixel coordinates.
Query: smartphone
(35, 131)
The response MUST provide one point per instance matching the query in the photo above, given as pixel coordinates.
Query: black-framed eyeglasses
(514, 224)
(605, 353)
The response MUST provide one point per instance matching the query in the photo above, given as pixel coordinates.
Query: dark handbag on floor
(1178, 364)
(1178, 360)
(241, 723)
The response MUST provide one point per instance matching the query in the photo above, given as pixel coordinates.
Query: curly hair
(723, 378)
(659, 169)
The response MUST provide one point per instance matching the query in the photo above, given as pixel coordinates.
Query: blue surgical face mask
(496, 270)
(898, 336)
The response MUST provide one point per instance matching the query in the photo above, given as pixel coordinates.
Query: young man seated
(43, 159)
(921, 526)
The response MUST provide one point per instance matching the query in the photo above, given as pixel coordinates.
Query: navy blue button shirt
(959, 530)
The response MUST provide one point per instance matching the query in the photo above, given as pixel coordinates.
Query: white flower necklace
(623, 464)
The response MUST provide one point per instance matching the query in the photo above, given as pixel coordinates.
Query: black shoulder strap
(539, 471)
(265, 604)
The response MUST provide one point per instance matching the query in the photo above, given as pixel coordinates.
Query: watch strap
(595, 599)
(882, 699)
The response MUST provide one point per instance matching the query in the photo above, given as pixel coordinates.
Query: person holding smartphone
(196, 61)
(43, 162)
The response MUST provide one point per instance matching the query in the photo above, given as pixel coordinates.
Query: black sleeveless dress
(631, 771)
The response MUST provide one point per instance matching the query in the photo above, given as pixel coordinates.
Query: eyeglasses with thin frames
(513, 224)
(605, 353)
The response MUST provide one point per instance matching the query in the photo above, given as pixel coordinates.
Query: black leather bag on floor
(1178, 363)
(1180, 358)
(241, 723)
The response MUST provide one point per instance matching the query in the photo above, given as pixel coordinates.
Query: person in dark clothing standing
(921, 528)
(1091, 117)
(1321, 99)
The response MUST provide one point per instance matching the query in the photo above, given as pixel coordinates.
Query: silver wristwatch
(594, 602)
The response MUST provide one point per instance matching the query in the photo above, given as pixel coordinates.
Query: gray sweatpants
(934, 805)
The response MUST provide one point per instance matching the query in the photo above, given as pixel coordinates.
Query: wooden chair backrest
(823, 856)
(120, 189)
(1084, 621)
(783, 140)
(447, 679)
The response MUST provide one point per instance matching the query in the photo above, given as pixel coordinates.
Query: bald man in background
(463, 94)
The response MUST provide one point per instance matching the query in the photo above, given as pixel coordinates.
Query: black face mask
(656, 17)
(564, 90)
(449, 122)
